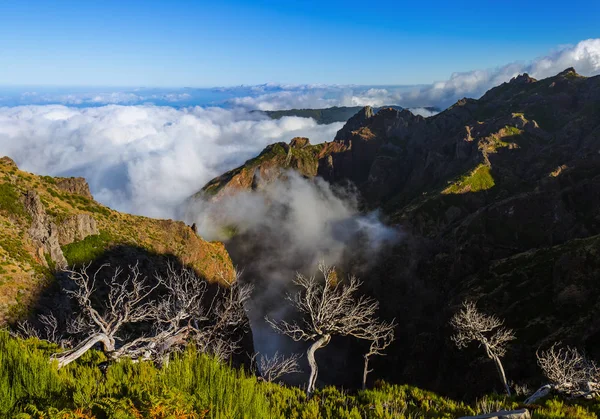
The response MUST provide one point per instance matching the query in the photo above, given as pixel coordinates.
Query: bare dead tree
(381, 335)
(329, 308)
(471, 325)
(127, 302)
(568, 371)
(274, 367)
(25, 330)
(46, 327)
(176, 308)
(177, 314)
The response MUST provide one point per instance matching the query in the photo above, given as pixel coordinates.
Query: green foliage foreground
(196, 386)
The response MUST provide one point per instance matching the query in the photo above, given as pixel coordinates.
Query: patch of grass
(88, 249)
(9, 200)
(48, 179)
(512, 130)
(479, 179)
(14, 247)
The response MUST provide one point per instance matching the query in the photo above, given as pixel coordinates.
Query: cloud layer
(146, 159)
(143, 159)
(584, 56)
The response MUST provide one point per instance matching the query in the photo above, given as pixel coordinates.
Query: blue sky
(198, 43)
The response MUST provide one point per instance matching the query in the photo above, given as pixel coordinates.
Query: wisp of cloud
(285, 227)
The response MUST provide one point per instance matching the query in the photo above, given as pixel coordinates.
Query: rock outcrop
(7, 161)
(271, 165)
(43, 232)
(357, 121)
(76, 227)
(74, 185)
(299, 142)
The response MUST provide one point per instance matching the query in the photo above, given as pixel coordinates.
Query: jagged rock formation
(43, 232)
(354, 123)
(76, 227)
(500, 200)
(75, 185)
(271, 164)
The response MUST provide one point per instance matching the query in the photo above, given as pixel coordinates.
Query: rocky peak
(299, 142)
(354, 123)
(7, 161)
(568, 72)
(75, 185)
(522, 79)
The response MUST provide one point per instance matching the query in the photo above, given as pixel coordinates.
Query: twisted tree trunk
(65, 358)
(365, 372)
(314, 369)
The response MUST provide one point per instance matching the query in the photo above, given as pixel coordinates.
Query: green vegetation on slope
(193, 385)
(479, 179)
(9, 200)
(88, 249)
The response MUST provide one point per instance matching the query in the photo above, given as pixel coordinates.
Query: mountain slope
(47, 223)
(500, 200)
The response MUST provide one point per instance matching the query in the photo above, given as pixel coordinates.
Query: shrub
(195, 386)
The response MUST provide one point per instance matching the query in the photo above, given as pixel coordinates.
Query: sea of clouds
(143, 159)
(145, 150)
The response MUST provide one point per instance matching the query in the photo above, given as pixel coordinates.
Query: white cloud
(143, 159)
(584, 57)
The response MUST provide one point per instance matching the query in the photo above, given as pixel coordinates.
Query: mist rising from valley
(285, 227)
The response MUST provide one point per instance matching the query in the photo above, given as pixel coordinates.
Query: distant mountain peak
(568, 72)
(522, 79)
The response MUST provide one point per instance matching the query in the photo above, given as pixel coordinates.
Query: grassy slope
(23, 271)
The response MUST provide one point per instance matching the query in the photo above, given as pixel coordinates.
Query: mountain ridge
(332, 114)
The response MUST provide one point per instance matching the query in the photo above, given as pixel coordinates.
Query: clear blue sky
(199, 43)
